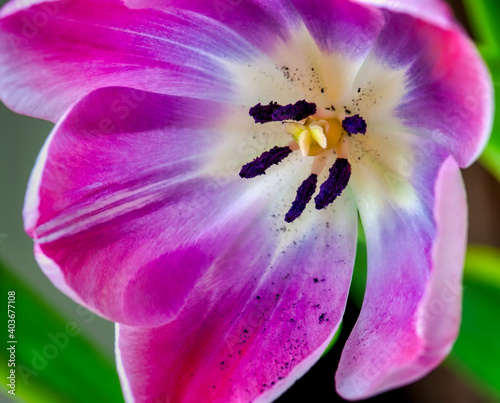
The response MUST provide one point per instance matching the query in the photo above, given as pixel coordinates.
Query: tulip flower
(203, 181)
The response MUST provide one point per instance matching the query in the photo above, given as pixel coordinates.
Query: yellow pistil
(315, 135)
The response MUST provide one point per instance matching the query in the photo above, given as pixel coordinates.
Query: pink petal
(434, 11)
(256, 322)
(53, 54)
(122, 206)
(450, 97)
(411, 313)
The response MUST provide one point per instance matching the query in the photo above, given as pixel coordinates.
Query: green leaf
(476, 354)
(334, 341)
(491, 156)
(54, 362)
(482, 264)
(483, 17)
(358, 282)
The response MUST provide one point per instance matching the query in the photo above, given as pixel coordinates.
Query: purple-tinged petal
(256, 322)
(262, 23)
(286, 30)
(53, 54)
(448, 96)
(124, 208)
(335, 53)
(411, 313)
(433, 11)
(341, 26)
(265, 23)
(193, 50)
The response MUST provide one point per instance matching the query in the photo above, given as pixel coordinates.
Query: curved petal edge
(416, 346)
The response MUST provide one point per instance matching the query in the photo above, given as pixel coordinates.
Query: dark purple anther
(354, 124)
(260, 164)
(274, 112)
(297, 111)
(263, 113)
(304, 195)
(336, 182)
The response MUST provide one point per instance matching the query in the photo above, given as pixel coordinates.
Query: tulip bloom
(203, 182)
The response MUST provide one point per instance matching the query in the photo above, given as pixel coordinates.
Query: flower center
(314, 132)
(315, 135)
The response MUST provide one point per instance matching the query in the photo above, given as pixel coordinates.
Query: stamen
(304, 196)
(274, 112)
(297, 111)
(260, 164)
(336, 182)
(354, 124)
(263, 113)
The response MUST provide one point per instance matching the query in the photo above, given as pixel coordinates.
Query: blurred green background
(65, 353)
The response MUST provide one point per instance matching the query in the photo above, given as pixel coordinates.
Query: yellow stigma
(314, 136)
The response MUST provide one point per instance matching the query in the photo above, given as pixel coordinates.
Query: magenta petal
(121, 205)
(53, 54)
(434, 11)
(411, 313)
(255, 323)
